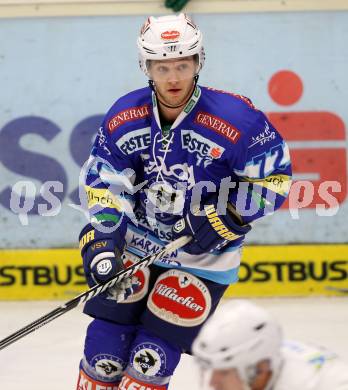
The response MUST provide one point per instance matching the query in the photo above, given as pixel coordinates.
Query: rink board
(292, 270)
(266, 271)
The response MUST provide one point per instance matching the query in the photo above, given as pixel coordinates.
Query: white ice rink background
(48, 358)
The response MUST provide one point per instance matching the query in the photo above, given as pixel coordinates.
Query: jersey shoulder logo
(128, 115)
(219, 125)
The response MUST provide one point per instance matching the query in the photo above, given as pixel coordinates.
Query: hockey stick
(342, 290)
(93, 292)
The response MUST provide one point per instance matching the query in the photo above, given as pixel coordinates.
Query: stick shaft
(92, 292)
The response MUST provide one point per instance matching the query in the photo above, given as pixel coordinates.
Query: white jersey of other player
(307, 367)
(241, 347)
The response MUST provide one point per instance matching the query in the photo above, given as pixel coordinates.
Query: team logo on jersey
(263, 137)
(129, 115)
(218, 125)
(165, 197)
(175, 173)
(141, 278)
(108, 366)
(135, 140)
(180, 298)
(149, 359)
(205, 149)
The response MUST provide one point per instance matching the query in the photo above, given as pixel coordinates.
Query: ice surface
(49, 357)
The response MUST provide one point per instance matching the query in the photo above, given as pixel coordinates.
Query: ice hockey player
(171, 159)
(241, 347)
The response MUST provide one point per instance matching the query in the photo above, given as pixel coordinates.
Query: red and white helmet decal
(171, 35)
(180, 298)
(142, 277)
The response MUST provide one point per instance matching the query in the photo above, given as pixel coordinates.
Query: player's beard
(169, 102)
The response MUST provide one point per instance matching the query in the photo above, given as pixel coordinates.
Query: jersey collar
(187, 109)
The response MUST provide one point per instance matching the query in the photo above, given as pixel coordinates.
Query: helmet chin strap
(153, 87)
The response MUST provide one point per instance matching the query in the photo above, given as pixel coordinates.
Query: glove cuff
(237, 220)
(99, 241)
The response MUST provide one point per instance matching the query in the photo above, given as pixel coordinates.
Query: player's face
(173, 79)
(226, 380)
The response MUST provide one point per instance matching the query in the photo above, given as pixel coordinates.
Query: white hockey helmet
(239, 335)
(168, 37)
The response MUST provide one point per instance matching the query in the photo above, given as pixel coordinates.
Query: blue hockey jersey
(143, 182)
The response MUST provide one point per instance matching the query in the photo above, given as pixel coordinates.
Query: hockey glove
(211, 230)
(102, 261)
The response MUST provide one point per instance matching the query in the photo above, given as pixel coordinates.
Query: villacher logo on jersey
(180, 298)
(172, 293)
(218, 125)
(131, 114)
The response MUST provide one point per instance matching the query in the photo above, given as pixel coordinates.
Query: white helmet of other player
(169, 37)
(239, 335)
